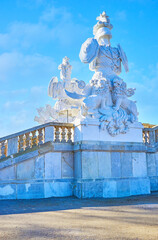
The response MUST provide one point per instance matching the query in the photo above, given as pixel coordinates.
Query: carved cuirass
(107, 61)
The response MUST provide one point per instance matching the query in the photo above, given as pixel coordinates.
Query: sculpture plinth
(92, 132)
(109, 154)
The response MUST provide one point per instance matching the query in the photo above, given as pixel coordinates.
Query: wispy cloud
(121, 15)
(54, 24)
(14, 105)
(39, 90)
(146, 82)
(16, 64)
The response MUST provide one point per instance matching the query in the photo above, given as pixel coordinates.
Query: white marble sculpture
(66, 108)
(106, 96)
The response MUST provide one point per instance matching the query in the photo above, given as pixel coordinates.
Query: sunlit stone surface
(105, 153)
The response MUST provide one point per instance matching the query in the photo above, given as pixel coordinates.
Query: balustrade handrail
(150, 136)
(56, 132)
(36, 128)
(151, 129)
(35, 136)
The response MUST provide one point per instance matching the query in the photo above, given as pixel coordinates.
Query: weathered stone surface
(7, 191)
(7, 173)
(110, 146)
(26, 156)
(104, 164)
(77, 189)
(77, 165)
(126, 165)
(109, 189)
(123, 188)
(89, 165)
(49, 133)
(97, 172)
(30, 190)
(39, 167)
(67, 165)
(84, 133)
(151, 164)
(6, 163)
(58, 189)
(12, 146)
(156, 162)
(154, 184)
(53, 165)
(62, 147)
(139, 165)
(26, 169)
(139, 186)
(116, 164)
(92, 189)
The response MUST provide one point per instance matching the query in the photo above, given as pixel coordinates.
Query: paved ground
(71, 218)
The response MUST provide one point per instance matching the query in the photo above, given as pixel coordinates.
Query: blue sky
(36, 34)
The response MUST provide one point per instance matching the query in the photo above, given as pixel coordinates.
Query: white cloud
(39, 90)
(121, 15)
(25, 67)
(54, 14)
(24, 35)
(14, 105)
(54, 24)
(13, 92)
(19, 114)
(19, 119)
(146, 83)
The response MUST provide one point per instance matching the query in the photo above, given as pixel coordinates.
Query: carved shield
(89, 50)
(55, 88)
(123, 58)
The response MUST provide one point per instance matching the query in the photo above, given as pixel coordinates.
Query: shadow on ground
(67, 203)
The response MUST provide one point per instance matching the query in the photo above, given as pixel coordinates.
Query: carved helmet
(103, 31)
(103, 26)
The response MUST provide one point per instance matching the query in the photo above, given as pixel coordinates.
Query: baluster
(156, 136)
(6, 148)
(145, 137)
(69, 134)
(34, 138)
(21, 143)
(57, 134)
(151, 137)
(40, 136)
(27, 141)
(63, 134)
(3, 149)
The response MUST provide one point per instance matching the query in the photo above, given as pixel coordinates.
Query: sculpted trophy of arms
(106, 96)
(118, 111)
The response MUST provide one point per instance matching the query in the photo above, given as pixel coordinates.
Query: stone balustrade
(150, 136)
(21, 141)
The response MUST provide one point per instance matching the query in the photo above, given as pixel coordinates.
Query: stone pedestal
(108, 170)
(87, 131)
(107, 166)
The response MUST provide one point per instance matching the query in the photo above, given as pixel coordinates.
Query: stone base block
(7, 191)
(35, 190)
(58, 189)
(154, 184)
(87, 131)
(112, 188)
(30, 191)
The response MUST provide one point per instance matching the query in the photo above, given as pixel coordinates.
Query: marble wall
(84, 169)
(152, 170)
(37, 174)
(103, 173)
